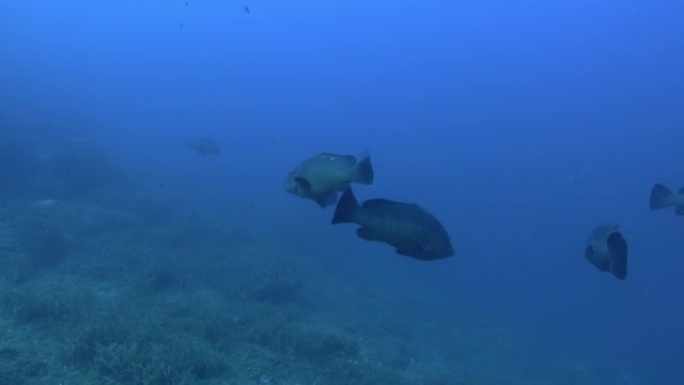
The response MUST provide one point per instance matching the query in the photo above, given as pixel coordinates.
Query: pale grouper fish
(408, 227)
(607, 250)
(323, 176)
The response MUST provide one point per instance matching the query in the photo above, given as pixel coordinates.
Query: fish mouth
(289, 186)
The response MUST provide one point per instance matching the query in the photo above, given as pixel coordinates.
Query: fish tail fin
(679, 209)
(617, 251)
(661, 197)
(347, 208)
(363, 172)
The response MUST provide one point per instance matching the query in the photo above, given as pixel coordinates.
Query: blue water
(520, 124)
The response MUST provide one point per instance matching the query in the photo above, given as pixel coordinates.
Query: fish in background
(662, 197)
(203, 146)
(408, 227)
(322, 177)
(607, 250)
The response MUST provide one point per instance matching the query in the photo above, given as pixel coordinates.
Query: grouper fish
(607, 250)
(322, 177)
(408, 227)
(662, 197)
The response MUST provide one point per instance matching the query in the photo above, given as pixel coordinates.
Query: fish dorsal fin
(303, 182)
(376, 203)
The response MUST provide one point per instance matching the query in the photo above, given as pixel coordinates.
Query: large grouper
(322, 177)
(408, 227)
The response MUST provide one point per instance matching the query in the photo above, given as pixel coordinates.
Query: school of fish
(408, 227)
(413, 232)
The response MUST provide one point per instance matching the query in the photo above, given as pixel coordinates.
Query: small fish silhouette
(247, 10)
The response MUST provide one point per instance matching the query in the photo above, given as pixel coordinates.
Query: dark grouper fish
(607, 250)
(321, 177)
(408, 227)
(662, 197)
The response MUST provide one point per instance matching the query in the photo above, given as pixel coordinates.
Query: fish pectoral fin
(423, 246)
(367, 234)
(303, 183)
(329, 199)
(415, 250)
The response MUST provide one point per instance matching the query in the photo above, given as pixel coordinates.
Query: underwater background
(125, 258)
